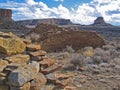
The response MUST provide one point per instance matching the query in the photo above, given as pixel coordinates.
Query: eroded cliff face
(5, 15)
(6, 21)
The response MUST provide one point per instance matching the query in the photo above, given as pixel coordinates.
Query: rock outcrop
(5, 13)
(23, 74)
(75, 39)
(54, 38)
(6, 21)
(22, 71)
(42, 31)
(100, 22)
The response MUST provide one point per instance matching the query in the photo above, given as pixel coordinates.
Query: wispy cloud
(83, 14)
(59, 0)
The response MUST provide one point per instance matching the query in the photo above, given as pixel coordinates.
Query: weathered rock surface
(26, 86)
(11, 44)
(51, 69)
(42, 31)
(19, 58)
(5, 14)
(52, 77)
(46, 63)
(38, 53)
(76, 39)
(38, 81)
(23, 74)
(3, 64)
(33, 47)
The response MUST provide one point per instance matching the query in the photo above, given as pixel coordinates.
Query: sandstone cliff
(6, 21)
(100, 22)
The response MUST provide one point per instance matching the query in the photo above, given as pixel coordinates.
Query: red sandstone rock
(38, 81)
(51, 69)
(5, 13)
(47, 63)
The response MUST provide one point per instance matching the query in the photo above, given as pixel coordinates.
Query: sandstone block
(38, 81)
(23, 74)
(33, 47)
(3, 64)
(11, 44)
(51, 69)
(19, 58)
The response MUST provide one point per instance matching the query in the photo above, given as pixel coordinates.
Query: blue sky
(78, 11)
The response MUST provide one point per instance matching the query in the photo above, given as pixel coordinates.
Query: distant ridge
(52, 21)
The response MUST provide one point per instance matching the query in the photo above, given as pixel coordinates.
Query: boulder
(33, 47)
(26, 41)
(38, 53)
(11, 44)
(19, 58)
(52, 77)
(26, 86)
(63, 82)
(3, 64)
(23, 74)
(38, 81)
(11, 67)
(46, 63)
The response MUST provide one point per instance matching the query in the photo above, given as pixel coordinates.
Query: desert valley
(57, 54)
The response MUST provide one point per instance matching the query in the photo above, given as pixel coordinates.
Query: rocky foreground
(24, 66)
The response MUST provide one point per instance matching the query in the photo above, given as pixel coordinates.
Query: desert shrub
(69, 67)
(77, 60)
(65, 54)
(116, 61)
(34, 37)
(98, 51)
(105, 55)
(88, 60)
(108, 47)
(97, 59)
(88, 51)
(115, 53)
(69, 49)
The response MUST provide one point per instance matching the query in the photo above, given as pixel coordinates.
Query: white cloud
(83, 14)
(30, 2)
(59, 0)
